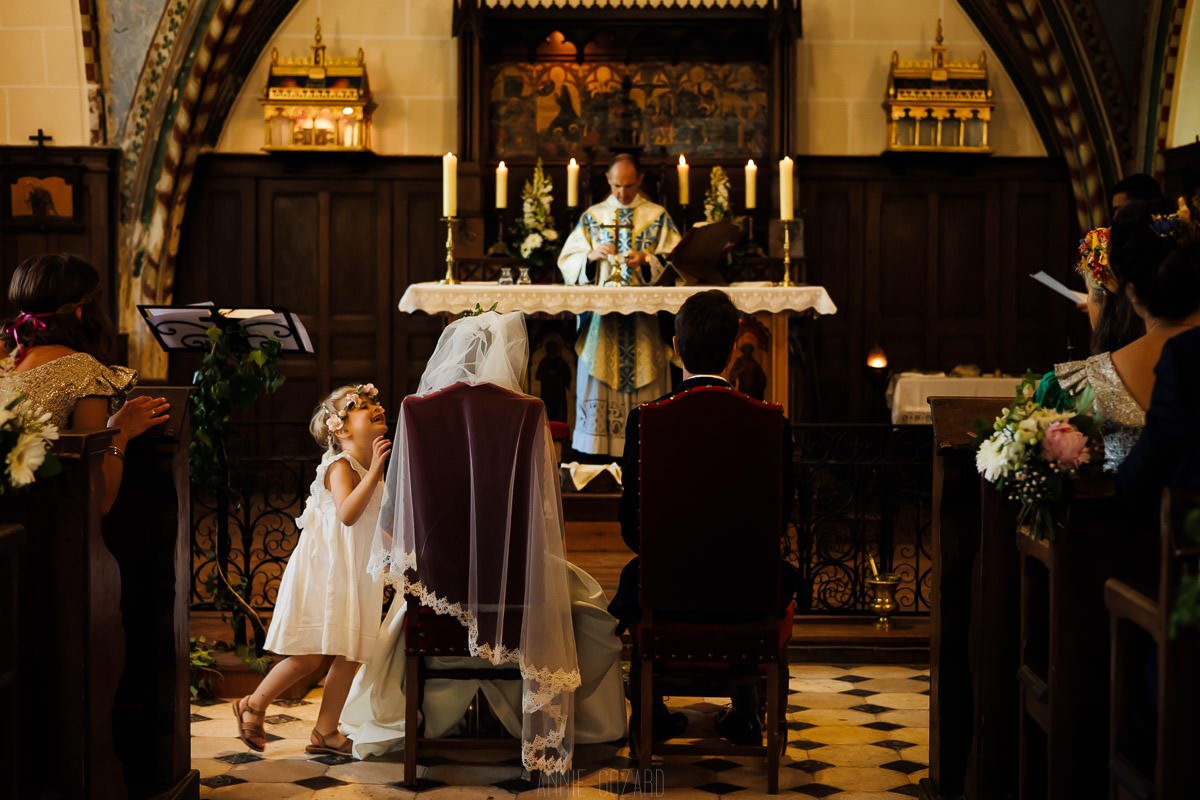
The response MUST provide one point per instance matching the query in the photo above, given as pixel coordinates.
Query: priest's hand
(602, 252)
(636, 259)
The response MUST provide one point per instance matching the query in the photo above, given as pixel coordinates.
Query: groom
(706, 330)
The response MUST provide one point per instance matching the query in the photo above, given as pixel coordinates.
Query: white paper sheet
(1060, 287)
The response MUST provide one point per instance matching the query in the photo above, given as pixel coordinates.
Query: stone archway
(197, 62)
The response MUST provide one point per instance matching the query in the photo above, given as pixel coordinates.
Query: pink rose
(1065, 447)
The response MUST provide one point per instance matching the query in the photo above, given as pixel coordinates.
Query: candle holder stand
(752, 247)
(449, 280)
(683, 215)
(499, 248)
(787, 254)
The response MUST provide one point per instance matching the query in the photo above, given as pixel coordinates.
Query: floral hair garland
(336, 421)
(1093, 261)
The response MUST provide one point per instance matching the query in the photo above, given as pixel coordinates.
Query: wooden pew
(72, 644)
(148, 529)
(1063, 671)
(12, 564)
(1153, 693)
(973, 632)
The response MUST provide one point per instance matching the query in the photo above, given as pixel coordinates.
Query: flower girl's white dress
(328, 603)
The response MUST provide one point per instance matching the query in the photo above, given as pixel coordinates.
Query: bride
(489, 348)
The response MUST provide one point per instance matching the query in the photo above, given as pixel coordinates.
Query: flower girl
(328, 604)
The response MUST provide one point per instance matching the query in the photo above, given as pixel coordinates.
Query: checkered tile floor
(855, 733)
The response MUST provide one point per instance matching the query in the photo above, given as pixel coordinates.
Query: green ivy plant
(232, 377)
(1186, 613)
(203, 667)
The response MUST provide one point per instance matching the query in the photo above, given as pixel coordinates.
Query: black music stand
(185, 328)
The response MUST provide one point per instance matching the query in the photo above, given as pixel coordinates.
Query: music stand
(698, 256)
(185, 328)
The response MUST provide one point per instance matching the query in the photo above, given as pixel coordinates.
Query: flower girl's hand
(381, 448)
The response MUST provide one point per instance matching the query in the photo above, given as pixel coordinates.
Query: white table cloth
(910, 397)
(750, 297)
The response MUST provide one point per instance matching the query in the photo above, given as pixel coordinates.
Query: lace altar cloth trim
(434, 298)
(541, 684)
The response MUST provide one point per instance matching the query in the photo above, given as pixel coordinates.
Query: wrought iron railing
(860, 489)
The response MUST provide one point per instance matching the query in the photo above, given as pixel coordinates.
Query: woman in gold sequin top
(1141, 260)
(59, 341)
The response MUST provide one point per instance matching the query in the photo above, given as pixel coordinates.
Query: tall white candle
(751, 185)
(572, 184)
(449, 185)
(683, 170)
(785, 189)
(501, 186)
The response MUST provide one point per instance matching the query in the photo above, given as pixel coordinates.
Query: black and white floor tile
(854, 733)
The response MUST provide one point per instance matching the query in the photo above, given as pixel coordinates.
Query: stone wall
(42, 81)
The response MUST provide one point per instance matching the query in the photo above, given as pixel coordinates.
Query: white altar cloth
(749, 297)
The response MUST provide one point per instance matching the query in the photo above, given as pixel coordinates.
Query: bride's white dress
(566, 635)
(374, 714)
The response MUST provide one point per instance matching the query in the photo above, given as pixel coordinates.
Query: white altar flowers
(716, 199)
(25, 438)
(535, 235)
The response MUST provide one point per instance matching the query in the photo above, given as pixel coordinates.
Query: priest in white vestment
(623, 361)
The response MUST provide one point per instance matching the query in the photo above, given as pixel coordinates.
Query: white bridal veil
(472, 522)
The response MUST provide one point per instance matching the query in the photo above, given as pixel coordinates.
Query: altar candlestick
(572, 184)
(785, 189)
(501, 187)
(449, 185)
(683, 170)
(751, 185)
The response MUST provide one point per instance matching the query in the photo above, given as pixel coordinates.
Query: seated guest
(705, 333)
(493, 349)
(60, 339)
(1168, 452)
(1113, 320)
(1144, 263)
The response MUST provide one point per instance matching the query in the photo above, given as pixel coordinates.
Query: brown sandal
(320, 744)
(252, 734)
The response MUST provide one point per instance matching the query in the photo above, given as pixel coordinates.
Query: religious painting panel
(555, 110)
(42, 197)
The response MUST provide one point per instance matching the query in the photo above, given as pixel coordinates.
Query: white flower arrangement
(25, 438)
(1028, 451)
(716, 199)
(535, 235)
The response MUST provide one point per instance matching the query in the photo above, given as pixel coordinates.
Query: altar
(767, 303)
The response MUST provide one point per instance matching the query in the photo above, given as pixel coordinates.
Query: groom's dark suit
(624, 605)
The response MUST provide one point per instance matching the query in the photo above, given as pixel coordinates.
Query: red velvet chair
(443, 429)
(711, 476)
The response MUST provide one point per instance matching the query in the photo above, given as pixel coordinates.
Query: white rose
(25, 459)
(534, 240)
(550, 234)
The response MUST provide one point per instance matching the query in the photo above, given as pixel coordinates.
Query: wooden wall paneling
(420, 256)
(834, 244)
(94, 240)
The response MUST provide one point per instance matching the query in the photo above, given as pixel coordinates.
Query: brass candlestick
(499, 249)
(449, 280)
(787, 253)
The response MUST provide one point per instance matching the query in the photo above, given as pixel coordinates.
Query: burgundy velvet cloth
(710, 483)
(472, 451)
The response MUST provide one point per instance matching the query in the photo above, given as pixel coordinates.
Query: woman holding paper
(1150, 258)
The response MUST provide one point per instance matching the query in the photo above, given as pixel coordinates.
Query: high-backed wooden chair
(711, 479)
(1153, 692)
(442, 429)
